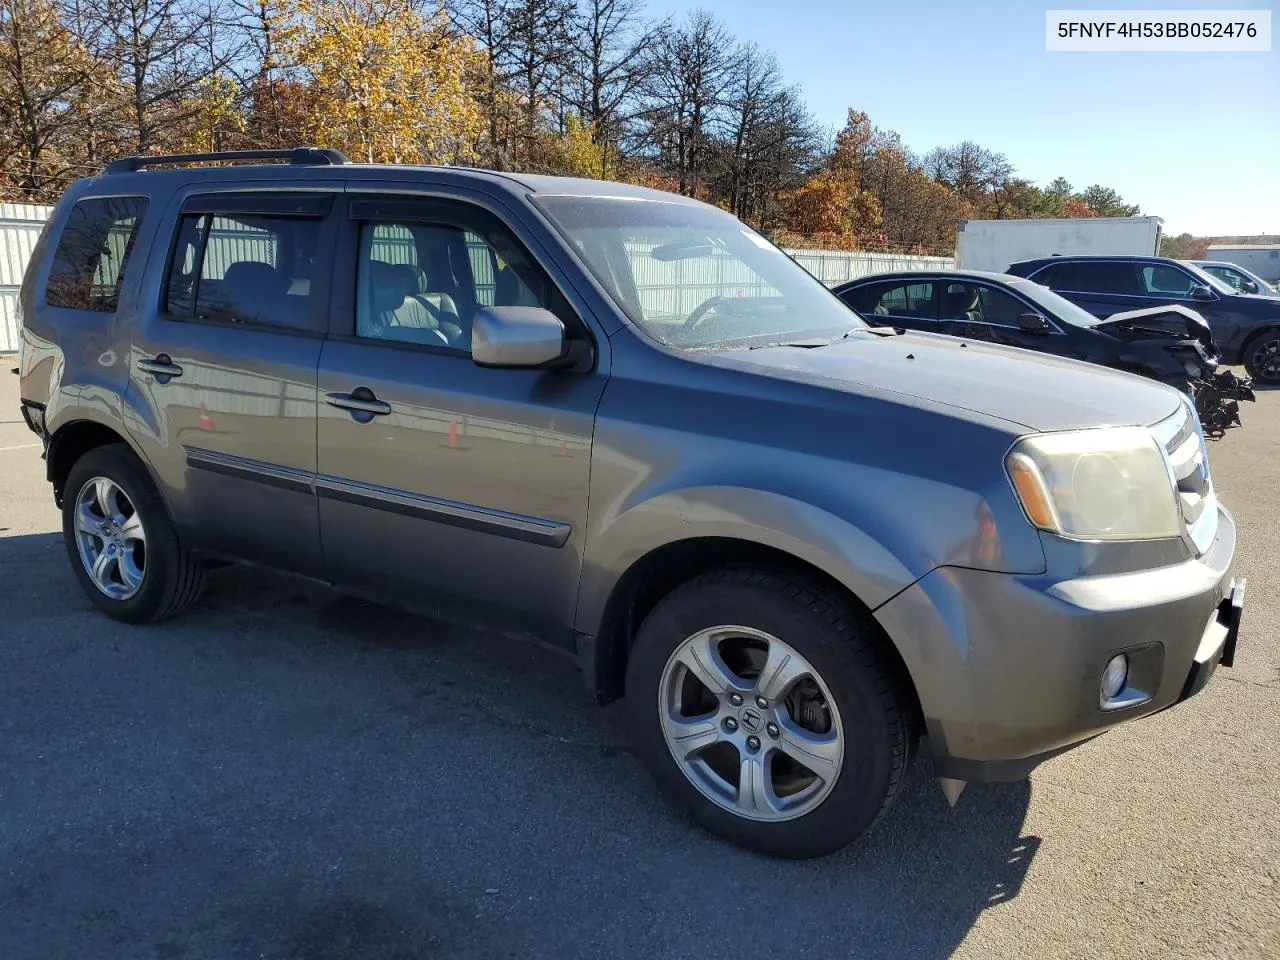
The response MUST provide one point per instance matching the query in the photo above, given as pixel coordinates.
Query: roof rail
(300, 156)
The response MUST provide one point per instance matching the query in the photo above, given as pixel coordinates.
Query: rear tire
(121, 543)
(1262, 357)
(827, 693)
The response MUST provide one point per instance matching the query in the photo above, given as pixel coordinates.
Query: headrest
(388, 286)
(245, 280)
(413, 277)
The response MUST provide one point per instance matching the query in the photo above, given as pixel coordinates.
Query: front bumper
(1007, 667)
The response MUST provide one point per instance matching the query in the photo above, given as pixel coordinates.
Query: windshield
(1059, 307)
(694, 277)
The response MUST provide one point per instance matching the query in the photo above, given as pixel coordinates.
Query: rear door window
(246, 268)
(912, 300)
(1105, 276)
(89, 262)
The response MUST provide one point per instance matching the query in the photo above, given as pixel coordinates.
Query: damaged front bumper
(1217, 398)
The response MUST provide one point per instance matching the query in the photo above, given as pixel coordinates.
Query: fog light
(1114, 675)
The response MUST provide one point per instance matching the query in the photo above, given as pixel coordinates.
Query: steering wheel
(705, 307)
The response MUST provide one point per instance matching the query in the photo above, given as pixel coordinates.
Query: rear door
(223, 369)
(441, 482)
(1102, 287)
(910, 303)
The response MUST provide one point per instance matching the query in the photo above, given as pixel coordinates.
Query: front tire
(121, 543)
(1262, 357)
(766, 708)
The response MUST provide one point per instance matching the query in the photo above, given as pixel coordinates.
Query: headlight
(1105, 484)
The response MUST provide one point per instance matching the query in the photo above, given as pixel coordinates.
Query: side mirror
(1033, 323)
(1249, 287)
(517, 337)
(1201, 292)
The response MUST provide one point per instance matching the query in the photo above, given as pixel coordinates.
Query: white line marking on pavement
(21, 446)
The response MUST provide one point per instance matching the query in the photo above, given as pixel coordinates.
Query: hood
(1173, 321)
(1028, 389)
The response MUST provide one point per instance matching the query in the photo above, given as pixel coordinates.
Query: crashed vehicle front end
(1175, 345)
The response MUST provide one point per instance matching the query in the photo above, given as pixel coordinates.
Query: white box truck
(994, 244)
(1260, 258)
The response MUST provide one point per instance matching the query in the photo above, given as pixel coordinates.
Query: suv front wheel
(764, 707)
(122, 545)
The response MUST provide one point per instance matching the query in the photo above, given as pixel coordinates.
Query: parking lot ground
(286, 773)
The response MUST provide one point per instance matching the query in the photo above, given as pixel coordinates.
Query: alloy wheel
(751, 723)
(111, 540)
(1266, 359)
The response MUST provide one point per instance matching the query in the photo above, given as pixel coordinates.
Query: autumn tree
(388, 83)
(48, 85)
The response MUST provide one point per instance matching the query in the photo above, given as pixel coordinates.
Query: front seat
(444, 312)
(394, 311)
(962, 303)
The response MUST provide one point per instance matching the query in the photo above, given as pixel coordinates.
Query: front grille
(1182, 441)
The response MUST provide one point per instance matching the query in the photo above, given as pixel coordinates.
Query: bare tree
(607, 69)
(972, 171)
(161, 51)
(689, 69)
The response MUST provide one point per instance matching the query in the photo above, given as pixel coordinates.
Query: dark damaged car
(1171, 344)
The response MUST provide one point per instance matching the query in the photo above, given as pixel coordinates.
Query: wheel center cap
(750, 719)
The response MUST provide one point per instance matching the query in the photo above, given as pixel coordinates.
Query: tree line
(584, 87)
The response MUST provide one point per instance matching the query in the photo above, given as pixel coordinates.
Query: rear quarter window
(93, 251)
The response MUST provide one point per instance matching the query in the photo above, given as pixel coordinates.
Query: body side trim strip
(513, 526)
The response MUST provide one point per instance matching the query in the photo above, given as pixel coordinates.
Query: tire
(861, 702)
(158, 579)
(1262, 357)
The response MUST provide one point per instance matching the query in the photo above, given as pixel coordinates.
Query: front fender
(800, 529)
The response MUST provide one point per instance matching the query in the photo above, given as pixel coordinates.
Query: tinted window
(89, 262)
(1162, 280)
(424, 282)
(1102, 276)
(244, 268)
(894, 299)
(979, 303)
(1059, 276)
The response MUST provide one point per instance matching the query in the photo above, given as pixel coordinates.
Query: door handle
(162, 368)
(360, 400)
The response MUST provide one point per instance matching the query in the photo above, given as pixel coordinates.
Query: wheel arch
(664, 568)
(1253, 338)
(73, 439)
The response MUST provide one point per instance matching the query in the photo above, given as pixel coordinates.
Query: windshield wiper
(876, 331)
(806, 344)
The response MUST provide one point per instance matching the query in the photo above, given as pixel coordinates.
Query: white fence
(20, 226)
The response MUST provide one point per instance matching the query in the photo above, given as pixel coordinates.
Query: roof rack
(298, 156)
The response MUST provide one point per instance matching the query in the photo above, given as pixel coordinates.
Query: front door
(223, 372)
(440, 482)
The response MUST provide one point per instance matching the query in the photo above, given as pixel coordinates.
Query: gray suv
(625, 423)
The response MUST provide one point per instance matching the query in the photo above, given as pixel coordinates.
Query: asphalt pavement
(287, 773)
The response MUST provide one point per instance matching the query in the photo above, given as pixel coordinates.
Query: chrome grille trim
(1182, 442)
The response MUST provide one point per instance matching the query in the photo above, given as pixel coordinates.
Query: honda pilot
(624, 423)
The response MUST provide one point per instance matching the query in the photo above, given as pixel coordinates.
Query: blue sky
(1191, 137)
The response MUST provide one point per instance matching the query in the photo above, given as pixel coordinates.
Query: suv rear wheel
(122, 545)
(765, 708)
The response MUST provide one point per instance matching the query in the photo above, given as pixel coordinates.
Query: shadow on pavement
(284, 773)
